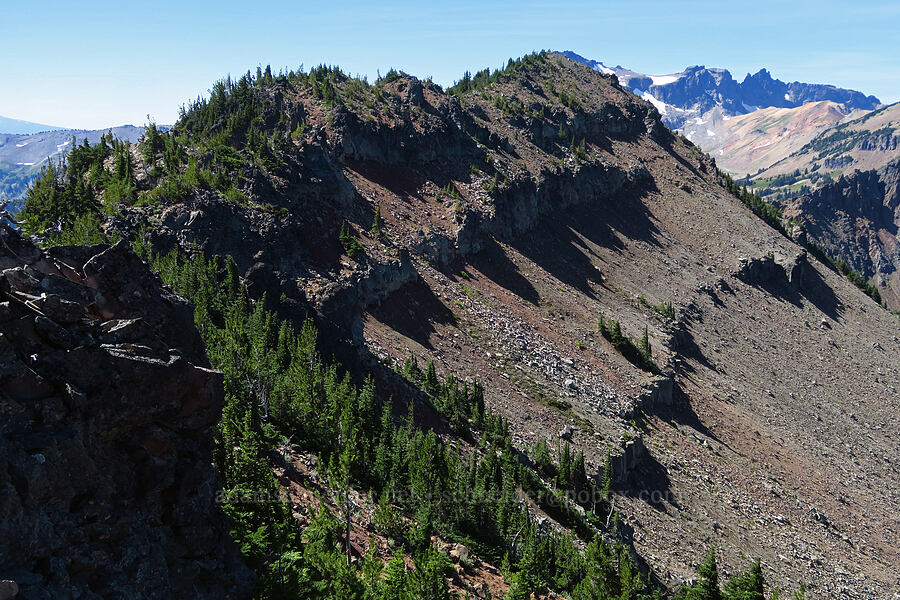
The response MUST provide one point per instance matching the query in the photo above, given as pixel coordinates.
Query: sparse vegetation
(348, 240)
(666, 309)
(485, 77)
(638, 354)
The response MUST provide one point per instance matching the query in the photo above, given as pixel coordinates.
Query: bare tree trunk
(348, 527)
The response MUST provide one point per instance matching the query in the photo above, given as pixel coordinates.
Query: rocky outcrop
(106, 415)
(759, 270)
(628, 460)
(773, 268)
(657, 393)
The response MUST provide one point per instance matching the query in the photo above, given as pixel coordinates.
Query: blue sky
(95, 64)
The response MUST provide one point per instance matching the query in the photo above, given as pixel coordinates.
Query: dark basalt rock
(106, 416)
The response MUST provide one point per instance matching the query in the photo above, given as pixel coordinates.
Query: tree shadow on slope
(561, 243)
(412, 311)
(493, 262)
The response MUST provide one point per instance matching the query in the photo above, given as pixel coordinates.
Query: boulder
(59, 310)
(21, 279)
(459, 553)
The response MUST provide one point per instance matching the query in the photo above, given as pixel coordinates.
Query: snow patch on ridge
(664, 79)
(660, 106)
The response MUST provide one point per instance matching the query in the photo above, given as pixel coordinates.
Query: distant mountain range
(8, 125)
(766, 128)
(698, 90)
(23, 155)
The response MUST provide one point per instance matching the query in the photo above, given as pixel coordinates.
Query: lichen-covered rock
(106, 416)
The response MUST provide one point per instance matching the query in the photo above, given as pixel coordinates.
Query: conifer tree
(708, 586)
(376, 223)
(432, 384)
(746, 586)
(645, 343)
(564, 479)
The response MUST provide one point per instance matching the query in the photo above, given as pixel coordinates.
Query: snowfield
(660, 106)
(664, 79)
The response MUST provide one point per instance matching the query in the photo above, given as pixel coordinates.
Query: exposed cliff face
(106, 416)
(856, 219)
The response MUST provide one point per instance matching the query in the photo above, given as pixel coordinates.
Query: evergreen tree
(747, 586)
(708, 586)
(432, 384)
(428, 581)
(518, 588)
(394, 585)
(376, 223)
(564, 478)
(645, 343)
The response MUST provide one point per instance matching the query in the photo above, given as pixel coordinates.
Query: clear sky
(93, 64)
